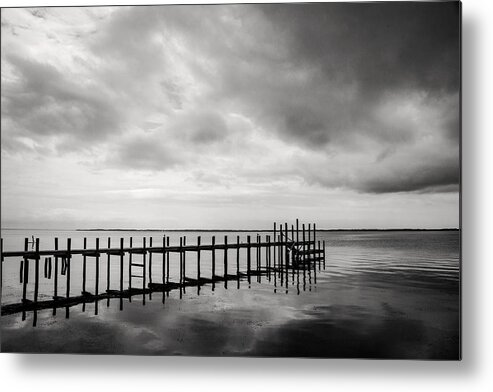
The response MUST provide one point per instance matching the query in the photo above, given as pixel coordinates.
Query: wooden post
(149, 269)
(268, 260)
(249, 261)
(55, 280)
(144, 271)
(26, 273)
(286, 231)
(36, 282)
(121, 265)
(181, 262)
(69, 257)
(297, 231)
(97, 277)
(225, 261)
(130, 256)
(309, 240)
(97, 267)
(258, 253)
(184, 260)
(150, 265)
(304, 245)
(122, 255)
(167, 263)
(238, 256)
(213, 257)
(274, 237)
(198, 260)
(84, 268)
(163, 269)
(181, 267)
(108, 269)
(293, 250)
(259, 260)
(280, 257)
(198, 265)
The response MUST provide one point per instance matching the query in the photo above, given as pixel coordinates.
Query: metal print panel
(232, 180)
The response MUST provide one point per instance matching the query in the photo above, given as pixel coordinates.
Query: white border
(120, 373)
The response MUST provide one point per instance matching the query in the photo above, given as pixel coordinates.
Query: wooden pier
(278, 258)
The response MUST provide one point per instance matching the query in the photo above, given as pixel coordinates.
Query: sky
(231, 116)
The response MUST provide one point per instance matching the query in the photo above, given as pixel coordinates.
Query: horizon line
(238, 230)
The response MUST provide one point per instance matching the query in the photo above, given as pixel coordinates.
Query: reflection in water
(382, 295)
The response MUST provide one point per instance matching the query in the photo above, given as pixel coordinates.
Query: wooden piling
(249, 260)
(84, 267)
(198, 263)
(150, 265)
(167, 262)
(286, 232)
(181, 267)
(184, 260)
(36, 281)
(122, 256)
(309, 238)
(26, 271)
(163, 269)
(96, 289)
(260, 252)
(144, 254)
(280, 250)
(68, 260)
(259, 260)
(238, 256)
(108, 268)
(181, 261)
(55, 278)
(304, 245)
(293, 250)
(237, 261)
(213, 258)
(130, 268)
(274, 238)
(225, 261)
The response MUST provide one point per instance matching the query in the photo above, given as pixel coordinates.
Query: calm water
(382, 295)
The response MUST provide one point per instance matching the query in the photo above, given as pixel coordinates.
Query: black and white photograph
(232, 180)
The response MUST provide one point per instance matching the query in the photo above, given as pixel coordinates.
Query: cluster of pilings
(289, 253)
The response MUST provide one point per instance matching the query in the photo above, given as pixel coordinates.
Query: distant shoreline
(230, 230)
(258, 231)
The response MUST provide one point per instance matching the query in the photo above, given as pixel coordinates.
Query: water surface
(382, 295)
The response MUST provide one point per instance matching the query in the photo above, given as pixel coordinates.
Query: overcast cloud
(231, 115)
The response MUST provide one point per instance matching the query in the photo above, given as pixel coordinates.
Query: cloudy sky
(231, 116)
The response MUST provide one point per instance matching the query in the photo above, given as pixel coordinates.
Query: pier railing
(292, 250)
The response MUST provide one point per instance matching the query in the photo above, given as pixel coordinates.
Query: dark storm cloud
(44, 102)
(442, 177)
(380, 45)
(370, 89)
(374, 47)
